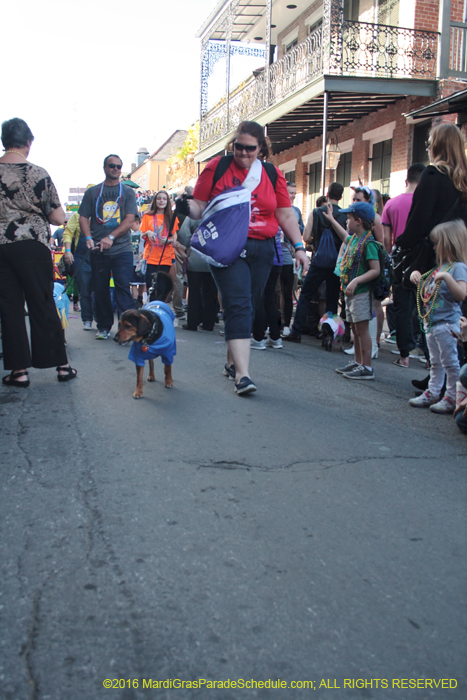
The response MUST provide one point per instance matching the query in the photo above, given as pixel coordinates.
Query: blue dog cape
(165, 347)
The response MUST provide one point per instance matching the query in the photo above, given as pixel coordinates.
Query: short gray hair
(16, 133)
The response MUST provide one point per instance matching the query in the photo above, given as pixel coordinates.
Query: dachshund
(151, 330)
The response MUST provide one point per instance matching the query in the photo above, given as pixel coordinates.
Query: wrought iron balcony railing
(362, 49)
(388, 52)
(458, 53)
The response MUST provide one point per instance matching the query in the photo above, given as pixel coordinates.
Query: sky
(93, 77)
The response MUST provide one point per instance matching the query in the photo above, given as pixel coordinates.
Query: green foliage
(181, 167)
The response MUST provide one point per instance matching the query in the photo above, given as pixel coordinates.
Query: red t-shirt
(264, 201)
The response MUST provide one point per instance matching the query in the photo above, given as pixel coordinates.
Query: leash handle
(169, 233)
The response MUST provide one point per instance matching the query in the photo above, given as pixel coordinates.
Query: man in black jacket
(314, 228)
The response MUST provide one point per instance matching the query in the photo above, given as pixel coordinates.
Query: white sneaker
(285, 332)
(270, 343)
(257, 344)
(424, 400)
(446, 405)
(350, 351)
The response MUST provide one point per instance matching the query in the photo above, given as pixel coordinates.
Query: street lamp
(333, 153)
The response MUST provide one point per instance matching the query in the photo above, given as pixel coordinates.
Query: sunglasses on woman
(243, 147)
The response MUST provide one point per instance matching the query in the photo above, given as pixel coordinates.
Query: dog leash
(169, 233)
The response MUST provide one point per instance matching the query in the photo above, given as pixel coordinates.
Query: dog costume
(164, 347)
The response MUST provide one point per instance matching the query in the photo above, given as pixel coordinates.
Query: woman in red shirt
(155, 226)
(241, 285)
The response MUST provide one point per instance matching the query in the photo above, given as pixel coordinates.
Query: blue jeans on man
(83, 276)
(120, 266)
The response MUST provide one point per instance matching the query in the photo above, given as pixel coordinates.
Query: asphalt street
(314, 531)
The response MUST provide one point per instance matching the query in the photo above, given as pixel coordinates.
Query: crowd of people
(118, 240)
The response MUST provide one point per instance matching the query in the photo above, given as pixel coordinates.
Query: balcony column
(325, 140)
(204, 79)
(444, 41)
(267, 73)
(333, 22)
(228, 34)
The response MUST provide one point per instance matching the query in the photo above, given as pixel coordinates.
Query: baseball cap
(361, 209)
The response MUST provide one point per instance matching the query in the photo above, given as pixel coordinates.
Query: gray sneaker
(257, 344)
(229, 371)
(348, 368)
(360, 372)
(102, 335)
(245, 386)
(277, 344)
(87, 326)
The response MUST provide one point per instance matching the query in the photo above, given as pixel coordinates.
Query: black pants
(26, 272)
(287, 279)
(150, 270)
(312, 282)
(403, 307)
(268, 313)
(202, 300)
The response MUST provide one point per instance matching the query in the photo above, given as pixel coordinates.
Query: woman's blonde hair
(451, 238)
(447, 149)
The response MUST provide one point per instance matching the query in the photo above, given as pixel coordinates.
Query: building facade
(150, 172)
(334, 75)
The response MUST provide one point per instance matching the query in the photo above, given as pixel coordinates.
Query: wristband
(67, 250)
(299, 246)
(88, 238)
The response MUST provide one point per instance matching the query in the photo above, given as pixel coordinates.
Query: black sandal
(70, 374)
(10, 379)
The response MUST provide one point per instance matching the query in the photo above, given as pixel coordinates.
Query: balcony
(359, 50)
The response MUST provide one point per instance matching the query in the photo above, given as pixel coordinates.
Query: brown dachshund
(152, 332)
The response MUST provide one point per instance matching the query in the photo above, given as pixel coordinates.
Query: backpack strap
(271, 172)
(221, 168)
(225, 162)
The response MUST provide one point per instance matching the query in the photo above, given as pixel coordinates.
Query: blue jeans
(312, 282)
(241, 286)
(121, 267)
(84, 281)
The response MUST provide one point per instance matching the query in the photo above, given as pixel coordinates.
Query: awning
(306, 122)
(349, 99)
(455, 103)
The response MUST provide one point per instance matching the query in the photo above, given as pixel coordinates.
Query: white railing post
(267, 70)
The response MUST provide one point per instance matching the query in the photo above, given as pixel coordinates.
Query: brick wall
(401, 147)
(298, 23)
(427, 13)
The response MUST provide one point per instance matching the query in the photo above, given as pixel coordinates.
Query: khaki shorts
(359, 307)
